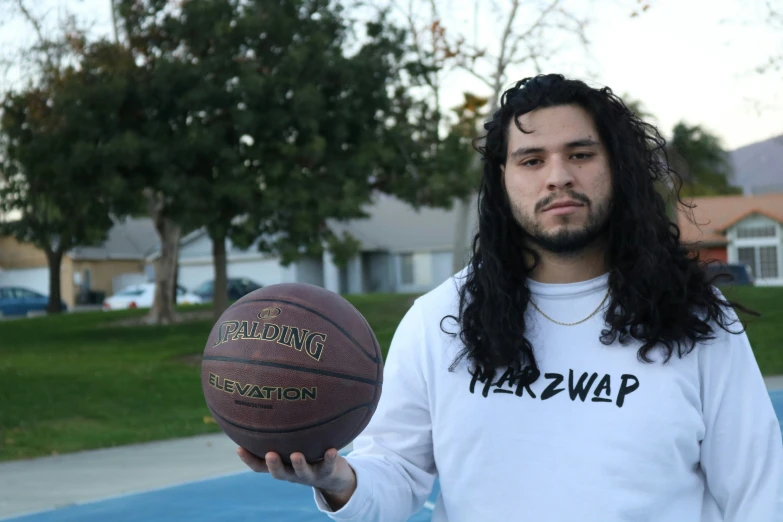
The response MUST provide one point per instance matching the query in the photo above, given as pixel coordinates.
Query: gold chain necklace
(571, 324)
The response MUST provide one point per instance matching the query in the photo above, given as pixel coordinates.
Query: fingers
(278, 470)
(325, 468)
(303, 471)
(256, 464)
(299, 471)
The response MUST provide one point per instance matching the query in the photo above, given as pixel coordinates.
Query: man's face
(558, 178)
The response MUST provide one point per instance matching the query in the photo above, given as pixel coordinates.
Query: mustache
(576, 196)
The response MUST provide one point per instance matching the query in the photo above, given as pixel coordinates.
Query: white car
(142, 296)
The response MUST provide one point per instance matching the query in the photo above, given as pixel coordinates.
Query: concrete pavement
(62, 480)
(774, 382)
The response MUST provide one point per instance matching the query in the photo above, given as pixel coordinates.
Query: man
(581, 367)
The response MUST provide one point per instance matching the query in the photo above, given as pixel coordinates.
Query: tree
(57, 168)
(351, 130)
(177, 136)
(698, 156)
(261, 126)
(528, 35)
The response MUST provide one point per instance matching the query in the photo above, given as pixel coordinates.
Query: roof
(714, 215)
(128, 239)
(191, 239)
(758, 167)
(392, 225)
(395, 226)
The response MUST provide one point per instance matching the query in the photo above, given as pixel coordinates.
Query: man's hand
(333, 475)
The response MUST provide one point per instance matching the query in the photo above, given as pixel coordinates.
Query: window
(416, 269)
(748, 232)
(131, 292)
(747, 255)
(763, 260)
(204, 288)
(22, 293)
(406, 263)
(768, 262)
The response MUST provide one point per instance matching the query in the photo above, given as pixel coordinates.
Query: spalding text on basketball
(253, 391)
(297, 338)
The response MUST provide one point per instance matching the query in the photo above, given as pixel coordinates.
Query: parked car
(729, 274)
(237, 287)
(19, 301)
(142, 296)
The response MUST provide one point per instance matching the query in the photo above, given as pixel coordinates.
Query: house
(402, 251)
(758, 167)
(87, 272)
(196, 264)
(739, 229)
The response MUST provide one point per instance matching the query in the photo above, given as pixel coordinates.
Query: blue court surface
(240, 497)
(245, 497)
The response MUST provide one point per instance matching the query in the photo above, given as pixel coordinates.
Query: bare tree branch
(478, 76)
(32, 20)
(774, 20)
(534, 26)
(530, 46)
(502, 62)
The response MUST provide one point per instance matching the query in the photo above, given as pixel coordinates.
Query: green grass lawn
(81, 381)
(77, 381)
(765, 332)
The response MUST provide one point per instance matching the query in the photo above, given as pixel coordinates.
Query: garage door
(191, 276)
(263, 271)
(36, 279)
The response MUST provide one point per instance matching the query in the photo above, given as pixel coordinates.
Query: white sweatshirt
(600, 436)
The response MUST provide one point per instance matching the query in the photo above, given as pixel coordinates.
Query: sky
(685, 60)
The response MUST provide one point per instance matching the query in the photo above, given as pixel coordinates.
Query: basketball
(291, 368)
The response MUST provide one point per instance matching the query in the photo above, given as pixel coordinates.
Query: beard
(569, 239)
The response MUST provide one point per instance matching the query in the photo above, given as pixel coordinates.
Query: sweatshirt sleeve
(742, 449)
(393, 456)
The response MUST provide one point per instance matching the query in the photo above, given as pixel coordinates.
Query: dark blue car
(18, 301)
(730, 274)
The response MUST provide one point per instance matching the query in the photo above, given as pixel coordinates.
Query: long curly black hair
(659, 292)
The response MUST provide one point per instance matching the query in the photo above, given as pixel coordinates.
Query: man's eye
(582, 155)
(530, 162)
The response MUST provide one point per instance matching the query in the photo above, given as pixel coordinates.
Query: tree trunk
(114, 21)
(162, 311)
(220, 287)
(54, 260)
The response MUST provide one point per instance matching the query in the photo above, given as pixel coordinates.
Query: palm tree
(705, 167)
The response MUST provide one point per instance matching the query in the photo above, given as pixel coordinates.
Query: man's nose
(559, 176)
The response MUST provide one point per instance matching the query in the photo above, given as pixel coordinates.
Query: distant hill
(758, 167)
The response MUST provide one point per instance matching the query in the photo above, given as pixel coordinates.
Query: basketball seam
(378, 368)
(222, 358)
(376, 360)
(370, 410)
(259, 430)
